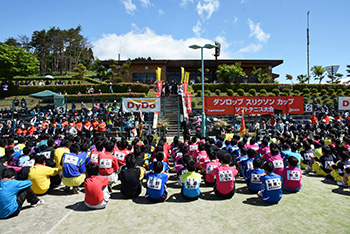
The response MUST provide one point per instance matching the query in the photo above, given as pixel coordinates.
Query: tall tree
(302, 79)
(318, 73)
(228, 72)
(261, 74)
(348, 70)
(117, 70)
(289, 77)
(15, 61)
(334, 79)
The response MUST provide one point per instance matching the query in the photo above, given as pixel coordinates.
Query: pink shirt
(277, 163)
(192, 150)
(264, 151)
(208, 170)
(292, 177)
(225, 177)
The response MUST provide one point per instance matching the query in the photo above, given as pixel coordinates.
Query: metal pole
(178, 116)
(308, 45)
(260, 126)
(203, 114)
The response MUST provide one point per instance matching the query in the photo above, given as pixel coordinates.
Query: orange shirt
(95, 125)
(326, 118)
(87, 126)
(31, 130)
(64, 124)
(313, 119)
(80, 126)
(102, 127)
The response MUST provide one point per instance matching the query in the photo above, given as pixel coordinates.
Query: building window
(144, 76)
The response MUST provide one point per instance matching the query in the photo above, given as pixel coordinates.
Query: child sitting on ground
(191, 182)
(96, 188)
(321, 165)
(291, 175)
(271, 190)
(214, 162)
(156, 183)
(224, 178)
(254, 183)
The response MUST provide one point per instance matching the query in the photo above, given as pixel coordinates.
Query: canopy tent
(47, 94)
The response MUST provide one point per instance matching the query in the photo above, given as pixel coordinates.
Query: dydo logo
(143, 104)
(346, 102)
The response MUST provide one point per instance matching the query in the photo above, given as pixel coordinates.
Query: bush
(339, 92)
(119, 79)
(240, 92)
(347, 92)
(193, 104)
(217, 92)
(249, 95)
(229, 92)
(276, 92)
(272, 95)
(287, 90)
(263, 92)
(252, 92)
(199, 93)
(296, 93)
(207, 93)
(331, 91)
(306, 91)
(318, 100)
(283, 94)
(323, 92)
(314, 91)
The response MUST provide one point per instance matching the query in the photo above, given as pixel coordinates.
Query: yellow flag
(182, 74)
(158, 73)
(187, 77)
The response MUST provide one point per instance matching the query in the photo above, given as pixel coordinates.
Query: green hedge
(268, 87)
(39, 78)
(103, 95)
(74, 89)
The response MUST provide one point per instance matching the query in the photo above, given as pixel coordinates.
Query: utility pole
(308, 49)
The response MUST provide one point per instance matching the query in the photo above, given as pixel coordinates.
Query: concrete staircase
(169, 110)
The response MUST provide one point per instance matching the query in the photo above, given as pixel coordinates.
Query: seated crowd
(35, 165)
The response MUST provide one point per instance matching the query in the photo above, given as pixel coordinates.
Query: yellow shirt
(39, 175)
(2, 151)
(58, 156)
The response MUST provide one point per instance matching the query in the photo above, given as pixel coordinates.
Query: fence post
(66, 105)
(13, 112)
(121, 120)
(163, 107)
(234, 125)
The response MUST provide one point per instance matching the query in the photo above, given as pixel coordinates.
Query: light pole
(206, 46)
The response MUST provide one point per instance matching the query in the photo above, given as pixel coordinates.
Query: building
(145, 70)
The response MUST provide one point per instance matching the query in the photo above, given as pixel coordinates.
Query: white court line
(64, 217)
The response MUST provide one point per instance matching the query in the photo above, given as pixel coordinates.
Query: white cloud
(206, 8)
(252, 48)
(160, 11)
(197, 29)
(146, 43)
(129, 6)
(243, 1)
(184, 3)
(145, 3)
(257, 32)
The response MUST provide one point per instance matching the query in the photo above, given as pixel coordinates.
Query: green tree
(348, 70)
(80, 70)
(117, 70)
(289, 77)
(334, 79)
(101, 71)
(228, 72)
(15, 61)
(261, 74)
(12, 42)
(302, 79)
(318, 73)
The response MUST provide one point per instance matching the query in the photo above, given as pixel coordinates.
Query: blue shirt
(165, 166)
(272, 188)
(72, 165)
(247, 165)
(254, 182)
(156, 184)
(8, 195)
(288, 154)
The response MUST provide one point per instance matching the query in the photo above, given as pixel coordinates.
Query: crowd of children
(269, 166)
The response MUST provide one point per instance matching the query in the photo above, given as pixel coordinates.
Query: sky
(164, 29)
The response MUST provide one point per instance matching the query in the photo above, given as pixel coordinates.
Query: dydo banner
(141, 104)
(344, 103)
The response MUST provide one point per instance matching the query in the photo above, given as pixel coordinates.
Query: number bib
(71, 159)
(193, 147)
(278, 164)
(328, 164)
(105, 163)
(47, 154)
(225, 176)
(120, 156)
(154, 183)
(209, 169)
(94, 158)
(250, 166)
(29, 163)
(191, 183)
(16, 148)
(273, 184)
(255, 179)
(293, 175)
(307, 156)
